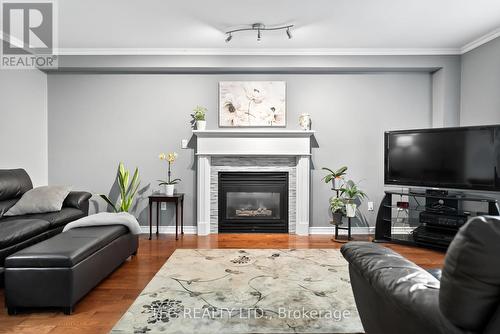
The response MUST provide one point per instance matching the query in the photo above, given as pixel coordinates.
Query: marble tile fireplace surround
(220, 151)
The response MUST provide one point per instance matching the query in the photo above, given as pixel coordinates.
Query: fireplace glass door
(253, 202)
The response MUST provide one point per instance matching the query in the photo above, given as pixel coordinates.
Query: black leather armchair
(18, 232)
(393, 295)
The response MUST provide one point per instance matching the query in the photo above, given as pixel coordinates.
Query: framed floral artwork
(252, 104)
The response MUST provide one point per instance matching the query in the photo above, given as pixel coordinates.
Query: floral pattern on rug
(246, 291)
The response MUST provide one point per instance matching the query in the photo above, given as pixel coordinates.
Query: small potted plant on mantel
(336, 177)
(198, 118)
(350, 192)
(337, 207)
(169, 183)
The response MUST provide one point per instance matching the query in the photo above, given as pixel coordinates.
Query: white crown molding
(279, 52)
(254, 52)
(481, 40)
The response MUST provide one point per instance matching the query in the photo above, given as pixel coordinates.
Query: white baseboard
(331, 230)
(358, 230)
(312, 230)
(169, 229)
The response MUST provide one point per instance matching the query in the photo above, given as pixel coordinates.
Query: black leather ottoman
(59, 271)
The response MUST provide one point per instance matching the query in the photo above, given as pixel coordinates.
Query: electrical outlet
(184, 143)
(163, 206)
(370, 206)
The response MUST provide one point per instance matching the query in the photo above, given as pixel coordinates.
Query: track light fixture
(259, 27)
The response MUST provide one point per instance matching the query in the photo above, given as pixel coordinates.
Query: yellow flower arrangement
(170, 158)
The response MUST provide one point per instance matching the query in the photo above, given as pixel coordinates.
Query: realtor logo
(28, 34)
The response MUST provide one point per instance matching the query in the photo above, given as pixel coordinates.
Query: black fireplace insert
(253, 202)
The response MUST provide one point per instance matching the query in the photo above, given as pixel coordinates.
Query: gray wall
(97, 120)
(23, 122)
(445, 70)
(480, 89)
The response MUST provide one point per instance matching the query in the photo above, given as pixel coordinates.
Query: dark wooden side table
(178, 199)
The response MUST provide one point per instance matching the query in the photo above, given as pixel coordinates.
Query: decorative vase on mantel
(305, 122)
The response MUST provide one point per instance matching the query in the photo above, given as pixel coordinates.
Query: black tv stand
(436, 192)
(428, 219)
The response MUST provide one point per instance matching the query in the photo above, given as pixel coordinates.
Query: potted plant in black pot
(337, 207)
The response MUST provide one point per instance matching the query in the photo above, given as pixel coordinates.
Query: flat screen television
(456, 158)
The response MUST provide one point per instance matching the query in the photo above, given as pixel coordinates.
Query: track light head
(259, 27)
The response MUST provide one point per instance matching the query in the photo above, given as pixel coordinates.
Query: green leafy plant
(198, 114)
(351, 192)
(332, 175)
(338, 209)
(337, 205)
(128, 189)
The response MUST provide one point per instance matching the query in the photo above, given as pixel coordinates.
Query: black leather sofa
(393, 295)
(65, 267)
(19, 232)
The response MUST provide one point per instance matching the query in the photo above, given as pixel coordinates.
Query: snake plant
(128, 189)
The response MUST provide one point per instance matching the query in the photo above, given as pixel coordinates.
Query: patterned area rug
(246, 291)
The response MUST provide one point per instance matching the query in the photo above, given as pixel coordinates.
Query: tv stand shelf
(397, 223)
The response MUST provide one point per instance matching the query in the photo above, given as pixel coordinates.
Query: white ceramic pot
(337, 183)
(350, 209)
(201, 125)
(169, 191)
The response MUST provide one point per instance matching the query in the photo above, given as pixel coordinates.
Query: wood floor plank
(102, 308)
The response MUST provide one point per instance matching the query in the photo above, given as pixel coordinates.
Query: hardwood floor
(103, 307)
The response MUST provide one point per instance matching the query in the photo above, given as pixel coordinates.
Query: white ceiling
(419, 25)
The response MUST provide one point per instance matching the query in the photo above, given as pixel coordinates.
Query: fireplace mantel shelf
(253, 142)
(253, 133)
(250, 154)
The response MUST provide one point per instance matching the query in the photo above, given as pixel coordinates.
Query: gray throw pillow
(40, 200)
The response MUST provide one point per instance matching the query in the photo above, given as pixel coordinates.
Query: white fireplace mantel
(254, 142)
